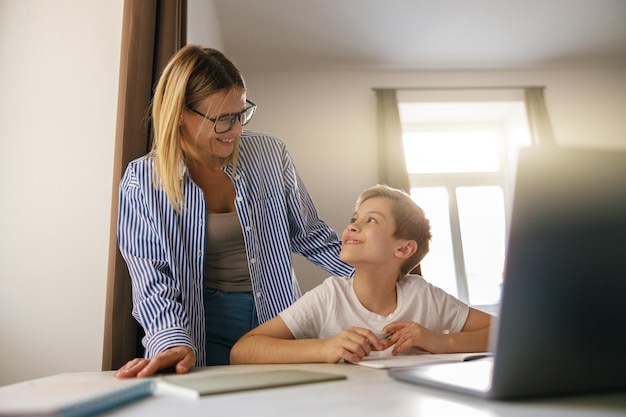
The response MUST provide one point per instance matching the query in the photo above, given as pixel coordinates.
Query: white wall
(58, 77)
(203, 26)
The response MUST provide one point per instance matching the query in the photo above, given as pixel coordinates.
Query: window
(460, 157)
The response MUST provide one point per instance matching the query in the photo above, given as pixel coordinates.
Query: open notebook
(562, 323)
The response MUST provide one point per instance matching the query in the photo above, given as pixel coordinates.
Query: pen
(383, 337)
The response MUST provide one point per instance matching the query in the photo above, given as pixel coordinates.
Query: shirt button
(237, 177)
(252, 260)
(239, 198)
(258, 295)
(248, 228)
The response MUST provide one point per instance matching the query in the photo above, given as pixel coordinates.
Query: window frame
(507, 148)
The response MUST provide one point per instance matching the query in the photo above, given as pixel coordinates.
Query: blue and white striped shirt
(164, 250)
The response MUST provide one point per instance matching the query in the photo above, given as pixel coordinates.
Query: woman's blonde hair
(410, 219)
(191, 75)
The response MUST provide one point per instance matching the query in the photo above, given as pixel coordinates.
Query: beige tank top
(225, 262)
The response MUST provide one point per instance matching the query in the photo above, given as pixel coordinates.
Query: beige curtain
(391, 162)
(538, 118)
(152, 31)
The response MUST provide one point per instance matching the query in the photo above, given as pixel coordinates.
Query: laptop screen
(563, 312)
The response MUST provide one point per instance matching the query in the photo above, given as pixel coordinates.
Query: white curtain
(391, 162)
(538, 119)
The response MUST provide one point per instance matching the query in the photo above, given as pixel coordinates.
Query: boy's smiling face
(368, 238)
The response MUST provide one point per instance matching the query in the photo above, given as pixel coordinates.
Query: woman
(209, 218)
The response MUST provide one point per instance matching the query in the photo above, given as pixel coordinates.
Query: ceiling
(423, 34)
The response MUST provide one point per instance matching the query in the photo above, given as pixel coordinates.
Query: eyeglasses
(226, 122)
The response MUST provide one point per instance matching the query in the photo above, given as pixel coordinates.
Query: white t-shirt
(333, 306)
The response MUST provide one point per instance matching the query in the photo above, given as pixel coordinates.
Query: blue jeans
(228, 315)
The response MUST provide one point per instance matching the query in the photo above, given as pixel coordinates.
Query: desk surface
(366, 391)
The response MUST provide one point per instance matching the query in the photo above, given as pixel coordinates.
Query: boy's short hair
(411, 222)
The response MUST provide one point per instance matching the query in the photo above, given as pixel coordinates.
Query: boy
(387, 237)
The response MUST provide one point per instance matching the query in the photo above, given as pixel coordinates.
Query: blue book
(72, 394)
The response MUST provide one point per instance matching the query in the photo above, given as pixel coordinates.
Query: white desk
(366, 392)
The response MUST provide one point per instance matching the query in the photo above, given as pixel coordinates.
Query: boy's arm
(473, 337)
(272, 342)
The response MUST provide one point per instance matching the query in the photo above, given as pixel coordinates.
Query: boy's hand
(352, 345)
(406, 335)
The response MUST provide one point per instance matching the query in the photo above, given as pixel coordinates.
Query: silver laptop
(561, 328)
